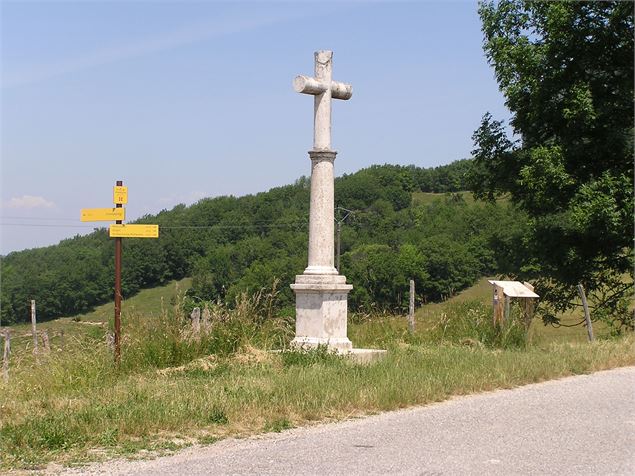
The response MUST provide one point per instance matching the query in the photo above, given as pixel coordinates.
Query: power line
(48, 226)
(255, 225)
(173, 227)
(302, 224)
(37, 218)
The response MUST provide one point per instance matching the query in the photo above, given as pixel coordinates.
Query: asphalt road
(577, 425)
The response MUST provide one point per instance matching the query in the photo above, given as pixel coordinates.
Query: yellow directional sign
(103, 214)
(120, 195)
(134, 231)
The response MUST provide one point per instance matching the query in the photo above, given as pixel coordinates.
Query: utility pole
(339, 233)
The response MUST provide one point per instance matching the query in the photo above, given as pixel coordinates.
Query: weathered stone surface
(307, 85)
(321, 214)
(366, 356)
(321, 293)
(321, 311)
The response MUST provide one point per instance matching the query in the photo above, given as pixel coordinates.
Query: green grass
(539, 334)
(43, 420)
(425, 198)
(173, 390)
(92, 326)
(147, 301)
(381, 329)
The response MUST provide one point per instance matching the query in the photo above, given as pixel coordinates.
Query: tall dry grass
(174, 388)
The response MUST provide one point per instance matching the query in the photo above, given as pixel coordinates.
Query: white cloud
(29, 202)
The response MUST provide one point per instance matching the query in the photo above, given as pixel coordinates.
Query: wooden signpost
(119, 231)
(120, 196)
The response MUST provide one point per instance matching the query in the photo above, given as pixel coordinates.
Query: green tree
(381, 275)
(566, 70)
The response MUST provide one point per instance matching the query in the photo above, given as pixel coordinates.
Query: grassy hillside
(426, 198)
(429, 316)
(539, 334)
(148, 302)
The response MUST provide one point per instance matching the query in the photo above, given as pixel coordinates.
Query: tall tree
(566, 70)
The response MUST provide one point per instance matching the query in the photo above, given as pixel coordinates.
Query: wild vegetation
(174, 389)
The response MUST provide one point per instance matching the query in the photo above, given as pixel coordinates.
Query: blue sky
(184, 100)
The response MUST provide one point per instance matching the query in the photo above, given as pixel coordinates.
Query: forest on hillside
(230, 245)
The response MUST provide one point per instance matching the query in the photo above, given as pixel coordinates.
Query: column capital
(322, 155)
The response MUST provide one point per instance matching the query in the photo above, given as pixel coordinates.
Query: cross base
(321, 312)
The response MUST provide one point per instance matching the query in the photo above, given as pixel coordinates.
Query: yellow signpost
(134, 231)
(120, 195)
(119, 231)
(102, 214)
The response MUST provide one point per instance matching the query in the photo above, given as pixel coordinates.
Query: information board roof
(515, 289)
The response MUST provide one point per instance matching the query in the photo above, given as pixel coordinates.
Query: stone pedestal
(321, 312)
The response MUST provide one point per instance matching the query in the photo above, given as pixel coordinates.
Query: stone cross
(321, 293)
(323, 88)
(322, 210)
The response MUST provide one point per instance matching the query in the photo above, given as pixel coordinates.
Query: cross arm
(308, 85)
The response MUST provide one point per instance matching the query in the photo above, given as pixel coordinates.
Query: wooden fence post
(196, 321)
(499, 305)
(5, 356)
(110, 340)
(45, 340)
(587, 316)
(529, 306)
(206, 318)
(33, 326)
(411, 307)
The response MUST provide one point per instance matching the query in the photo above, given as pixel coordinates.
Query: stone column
(321, 213)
